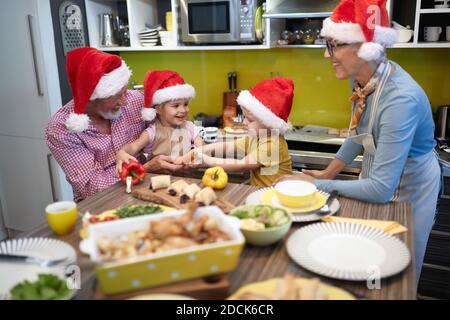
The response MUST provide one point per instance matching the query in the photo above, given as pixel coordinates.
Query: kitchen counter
(258, 263)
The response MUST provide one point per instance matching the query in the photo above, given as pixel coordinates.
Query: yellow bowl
(295, 193)
(62, 217)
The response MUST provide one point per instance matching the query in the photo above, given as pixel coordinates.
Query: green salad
(46, 287)
(260, 217)
(134, 211)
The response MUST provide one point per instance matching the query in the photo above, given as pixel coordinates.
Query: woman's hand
(121, 158)
(318, 174)
(299, 176)
(332, 170)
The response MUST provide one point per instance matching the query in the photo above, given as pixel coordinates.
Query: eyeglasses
(332, 45)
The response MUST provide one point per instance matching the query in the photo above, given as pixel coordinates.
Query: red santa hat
(361, 21)
(161, 86)
(270, 101)
(92, 74)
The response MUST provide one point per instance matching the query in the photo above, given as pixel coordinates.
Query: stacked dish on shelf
(149, 37)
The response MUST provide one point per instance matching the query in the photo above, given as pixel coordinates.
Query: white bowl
(404, 35)
(295, 193)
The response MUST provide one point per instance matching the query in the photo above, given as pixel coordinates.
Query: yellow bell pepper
(215, 178)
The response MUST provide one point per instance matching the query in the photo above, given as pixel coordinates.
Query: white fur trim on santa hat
(348, 32)
(371, 51)
(111, 83)
(77, 122)
(345, 32)
(247, 101)
(148, 114)
(179, 91)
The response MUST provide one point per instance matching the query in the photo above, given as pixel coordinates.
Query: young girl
(166, 106)
(264, 151)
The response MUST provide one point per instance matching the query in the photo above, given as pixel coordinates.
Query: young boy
(264, 151)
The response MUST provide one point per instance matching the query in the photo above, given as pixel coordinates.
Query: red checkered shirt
(88, 158)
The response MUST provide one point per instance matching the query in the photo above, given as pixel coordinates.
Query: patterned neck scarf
(360, 94)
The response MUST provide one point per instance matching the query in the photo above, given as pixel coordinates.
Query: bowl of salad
(263, 225)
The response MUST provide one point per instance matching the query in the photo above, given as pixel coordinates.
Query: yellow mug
(62, 217)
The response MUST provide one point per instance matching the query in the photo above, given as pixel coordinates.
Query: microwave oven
(218, 21)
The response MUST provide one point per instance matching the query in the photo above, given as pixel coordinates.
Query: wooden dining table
(258, 263)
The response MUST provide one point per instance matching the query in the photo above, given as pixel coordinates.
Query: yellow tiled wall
(319, 97)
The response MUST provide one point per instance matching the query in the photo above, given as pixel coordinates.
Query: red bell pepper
(133, 169)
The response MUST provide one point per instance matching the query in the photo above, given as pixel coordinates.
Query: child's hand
(185, 159)
(121, 158)
(192, 159)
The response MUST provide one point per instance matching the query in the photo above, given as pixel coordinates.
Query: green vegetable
(134, 211)
(268, 215)
(47, 287)
(261, 210)
(241, 214)
(278, 218)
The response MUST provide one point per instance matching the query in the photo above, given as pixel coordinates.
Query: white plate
(348, 251)
(149, 44)
(143, 37)
(149, 40)
(38, 247)
(255, 198)
(147, 31)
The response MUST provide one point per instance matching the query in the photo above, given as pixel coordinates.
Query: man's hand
(162, 164)
(121, 158)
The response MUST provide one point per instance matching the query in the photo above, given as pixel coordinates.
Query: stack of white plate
(149, 37)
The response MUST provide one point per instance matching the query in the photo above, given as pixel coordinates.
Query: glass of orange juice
(62, 217)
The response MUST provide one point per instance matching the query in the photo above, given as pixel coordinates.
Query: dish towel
(391, 227)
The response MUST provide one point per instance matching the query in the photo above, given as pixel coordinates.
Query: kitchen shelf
(301, 46)
(185, 48)
(405, 45)
(296, 15)
(279, 9)
(441, 44)
(428, 11)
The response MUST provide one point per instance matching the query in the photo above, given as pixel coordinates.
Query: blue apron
(420, 181)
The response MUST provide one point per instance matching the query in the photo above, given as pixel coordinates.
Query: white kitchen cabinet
(29, 91)
(24, 105)
(25, 181)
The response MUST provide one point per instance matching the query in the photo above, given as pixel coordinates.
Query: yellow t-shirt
(271, 152)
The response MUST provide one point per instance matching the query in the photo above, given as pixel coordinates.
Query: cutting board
(162, 196)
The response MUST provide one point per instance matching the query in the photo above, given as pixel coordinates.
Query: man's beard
(110, 115)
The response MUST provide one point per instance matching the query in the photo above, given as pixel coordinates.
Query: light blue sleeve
(398, 122)
(348, 151)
